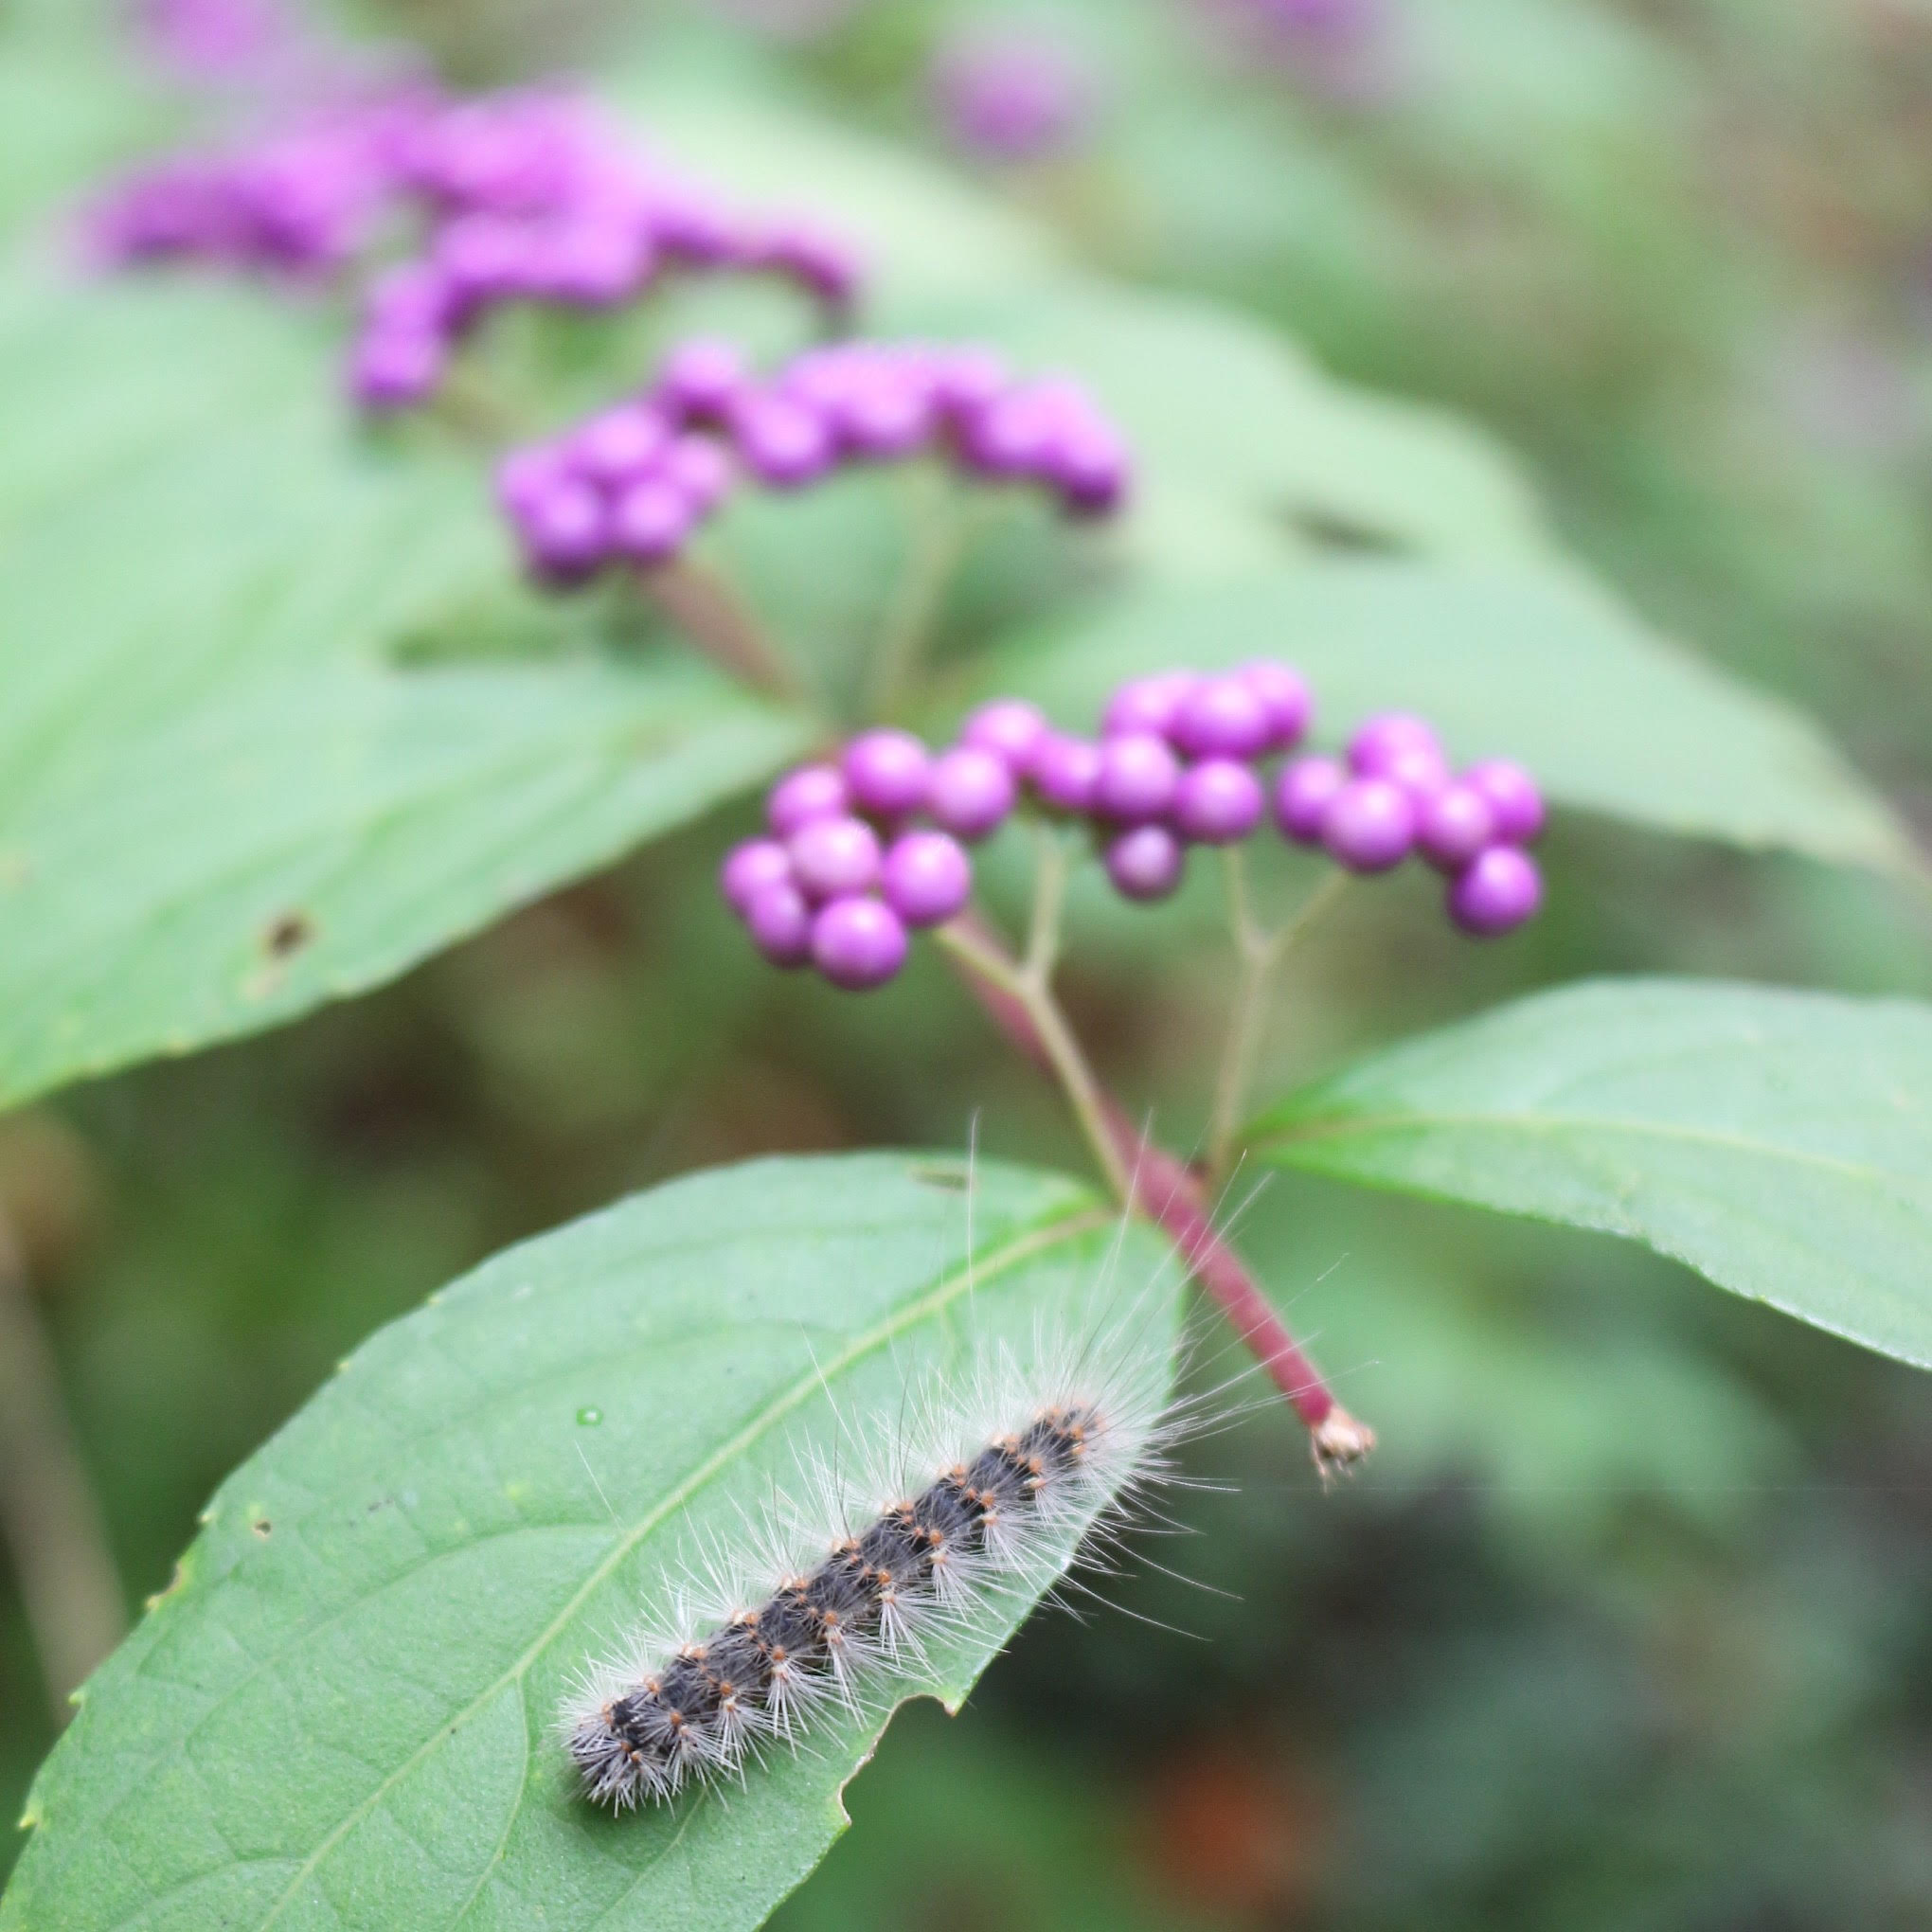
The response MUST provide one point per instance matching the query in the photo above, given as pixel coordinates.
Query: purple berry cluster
(531, 197)
(862, 851)
(1013, 95)
(630, 485)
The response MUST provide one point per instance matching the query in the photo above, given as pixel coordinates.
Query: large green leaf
(224, 795)
(1536, 664)
(1781, 1143)
(341, 1712)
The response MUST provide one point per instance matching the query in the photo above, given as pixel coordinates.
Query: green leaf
(225, 795)
(1536, 665)
(1781, 1143)
(341, 1712)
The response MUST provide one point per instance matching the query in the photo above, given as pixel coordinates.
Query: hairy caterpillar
(960, 1505)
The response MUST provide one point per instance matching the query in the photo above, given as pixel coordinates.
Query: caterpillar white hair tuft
(963, 1502)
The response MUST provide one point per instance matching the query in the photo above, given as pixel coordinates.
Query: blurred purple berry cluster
(1012, 96)
(212, 39)
(632, 483)
(526, 196)
(859, 852)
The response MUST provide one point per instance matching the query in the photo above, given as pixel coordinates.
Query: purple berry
(1089, 465)
(814, 791)
(888, 772)
(823, 263)
(618, 447)
(1499, 890)
(1147, 862)
(1380, 737)
(885, 415)
(1512, 796)
(783, 444)
(1454, 827)
(1008, 728)
(1285, 697)
(1303, 793)
(525, 477)
(1218, 801)
(649, 523)
(698, 469)
(566, 532)
(858, 943)
(1421, 771)
(1063, 772)
(749, 868)
(1138, 777)
(928, 876)
(703, 380)
(1007, 438)
(967, 378)
(395, 368)
(970, 792)
(780, 923)
(831, 857)
(1146, 704)
(1221, 717)
(1368, 826)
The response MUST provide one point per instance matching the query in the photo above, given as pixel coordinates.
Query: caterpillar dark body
(710, 1702)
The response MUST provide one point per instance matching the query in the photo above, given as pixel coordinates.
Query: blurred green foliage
(1627, 1626)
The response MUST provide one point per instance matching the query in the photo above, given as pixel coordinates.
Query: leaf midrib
(978, 1269)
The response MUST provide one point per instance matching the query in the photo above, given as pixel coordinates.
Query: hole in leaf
(261, 1526)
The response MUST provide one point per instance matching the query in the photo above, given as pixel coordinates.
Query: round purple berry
(966, 377)
(1221, 717)
(1089, 465)
(1499, 890)
(970, 791)
(1009, 728)
(780, 923)
(783, 444)
(1218, 801)
(1147, 862)
(1369, 825)
(886, 771)
(831, 857)
(617, 446)
(1063, 772)
(928, 876)
(649, 523)
(858, 943)
(1512, 796)
(1303, 793)
(566, 532)
(749, 868)
(1454, 827)
(886, 415)
(1138, 777)
(394, 368)
(698, 469)
(1146, 704)
(1285, 697)
(1379, 739)
(525, 477)
(703, 379)
(1421, 771)
(814, 791)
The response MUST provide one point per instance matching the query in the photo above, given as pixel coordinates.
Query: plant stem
(708, 610)
(938, 536)
(1260, 952)
(48, 1511)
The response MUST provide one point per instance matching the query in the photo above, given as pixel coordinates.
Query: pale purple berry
(1421, 771)
(1221, 717)
(566, 532)
(1146, 704)
(618, 447)
(814, 791)
(1138, 777)
(1454, 827)
(780, 923)
(1512, 796)
(698, 469)
(394, 368)
(1284, 696)
(886, 771)
(1379, 739)
(885, 416)
(703, 379)
(927, 877)
(526, 477)
(858, 943)
(783, 444)
(1008, 728)
(970, 791)
(1500, 889)
(833, 857)
(1218, 801)
(1063, 772)
(1303, 793)
(1009, 437)
(1147, 862)
(649, 523)
(1369, 825)
(967, 378)
(1088, 464)
(749, 868)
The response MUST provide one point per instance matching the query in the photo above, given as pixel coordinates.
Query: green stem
(1260, 953)
(939, 538)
